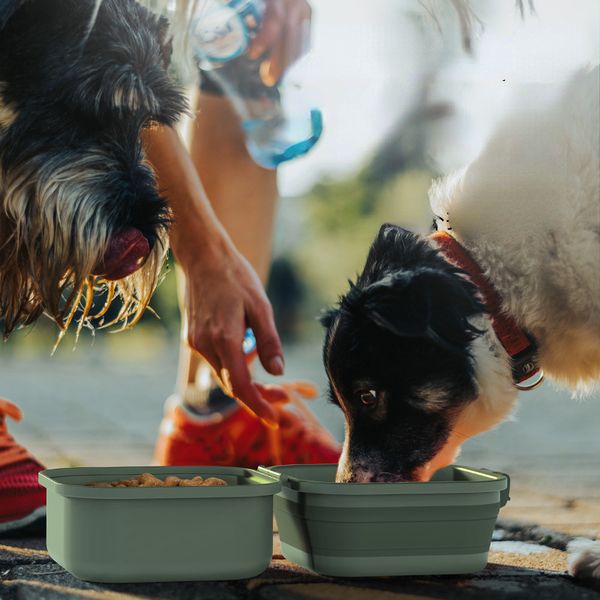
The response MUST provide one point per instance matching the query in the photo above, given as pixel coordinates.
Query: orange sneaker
(22, 498)
(236, 437)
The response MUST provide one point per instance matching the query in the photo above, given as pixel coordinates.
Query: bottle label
(222, 30)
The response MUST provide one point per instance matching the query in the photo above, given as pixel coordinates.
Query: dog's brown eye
(368, 398)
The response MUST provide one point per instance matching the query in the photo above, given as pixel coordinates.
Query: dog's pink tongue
(126, 252)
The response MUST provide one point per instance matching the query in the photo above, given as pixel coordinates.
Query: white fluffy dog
(528, 211)
(430, 345)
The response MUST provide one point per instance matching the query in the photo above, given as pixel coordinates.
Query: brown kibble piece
(151, 483)
(188, 483)
(214, 481)
(149, 480)
(172, 481)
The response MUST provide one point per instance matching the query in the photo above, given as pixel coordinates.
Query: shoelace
(297, 393)
(10, 451)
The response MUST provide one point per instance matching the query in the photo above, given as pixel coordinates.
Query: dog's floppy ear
(390, 239)
(399, 304)
(390, 233)
(423, 302)
(328, 316)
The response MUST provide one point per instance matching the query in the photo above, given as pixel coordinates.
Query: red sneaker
(236, 437)
(22, 498)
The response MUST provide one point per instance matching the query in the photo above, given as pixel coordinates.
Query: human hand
(224, 297)
(284, 34)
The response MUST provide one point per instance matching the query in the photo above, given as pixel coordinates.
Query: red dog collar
(519, 345)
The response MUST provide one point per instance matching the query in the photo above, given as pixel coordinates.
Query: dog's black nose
(385, 477)
(363, 473)
(126, 253)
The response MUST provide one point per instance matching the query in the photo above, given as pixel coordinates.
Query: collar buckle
(531, 382)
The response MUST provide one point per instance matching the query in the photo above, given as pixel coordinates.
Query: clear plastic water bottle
(280, 123)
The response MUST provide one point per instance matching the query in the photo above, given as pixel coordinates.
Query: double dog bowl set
(210, 533)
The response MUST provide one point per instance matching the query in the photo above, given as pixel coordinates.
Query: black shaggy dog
(79, 209)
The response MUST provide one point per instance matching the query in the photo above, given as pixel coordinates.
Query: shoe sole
(37, 515)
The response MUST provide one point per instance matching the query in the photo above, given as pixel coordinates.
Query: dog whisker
(89, 299)
(68, 320)
(107, 303)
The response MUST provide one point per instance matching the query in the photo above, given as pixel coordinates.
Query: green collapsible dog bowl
(439, 527)
(159, 534)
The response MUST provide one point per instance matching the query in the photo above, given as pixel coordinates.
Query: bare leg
(244, 197)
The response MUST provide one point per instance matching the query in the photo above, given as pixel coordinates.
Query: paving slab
(524, 563)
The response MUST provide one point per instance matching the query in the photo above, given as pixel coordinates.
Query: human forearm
(195, 225)
(223, 293)
(242, 193)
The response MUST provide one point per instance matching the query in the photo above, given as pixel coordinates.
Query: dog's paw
(584, 559)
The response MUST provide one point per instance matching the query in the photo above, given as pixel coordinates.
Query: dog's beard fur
(54, 235)
(72, 171)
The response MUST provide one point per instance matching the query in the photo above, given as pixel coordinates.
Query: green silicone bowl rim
(493, 481)
(260, 485)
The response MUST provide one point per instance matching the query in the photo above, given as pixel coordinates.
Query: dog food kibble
(149, 480)
(214, 481)
(172, 481)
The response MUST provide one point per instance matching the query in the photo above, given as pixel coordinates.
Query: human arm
(224, 295)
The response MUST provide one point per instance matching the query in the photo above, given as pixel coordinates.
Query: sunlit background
(404, 102)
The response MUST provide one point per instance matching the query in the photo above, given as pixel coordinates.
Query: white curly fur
(584, 558)
(528, 210)
(496, 394)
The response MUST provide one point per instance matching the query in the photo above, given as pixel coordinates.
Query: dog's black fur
(403, 327)
(63, 83)
(81, 87)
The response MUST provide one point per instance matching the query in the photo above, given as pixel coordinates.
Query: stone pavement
(525, 562)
